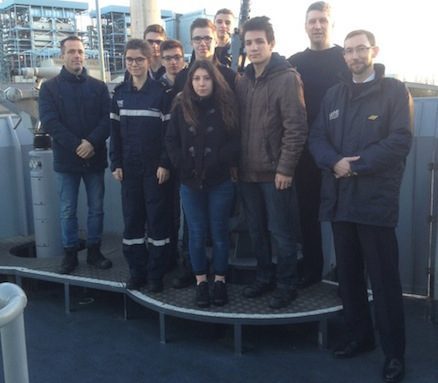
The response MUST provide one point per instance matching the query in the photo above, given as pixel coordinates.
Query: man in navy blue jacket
(360, 140)
(74, 110)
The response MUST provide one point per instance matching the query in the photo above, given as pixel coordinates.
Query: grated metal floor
(316, 303)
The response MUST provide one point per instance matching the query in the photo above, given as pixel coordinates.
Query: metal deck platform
(315, 304)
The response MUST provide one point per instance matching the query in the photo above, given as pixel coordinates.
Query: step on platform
(314, 304)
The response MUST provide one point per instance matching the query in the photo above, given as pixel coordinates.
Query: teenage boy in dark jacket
(274, 130)
(74, 110)
(360, 140)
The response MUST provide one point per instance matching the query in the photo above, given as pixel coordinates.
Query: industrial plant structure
(31, 30)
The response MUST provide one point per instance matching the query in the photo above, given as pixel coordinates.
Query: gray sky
(405, 30)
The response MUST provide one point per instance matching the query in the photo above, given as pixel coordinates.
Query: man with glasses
(74, 110)
(204, 40)
(360, 140)
(319, 67)
(155, 34)
(172, 59)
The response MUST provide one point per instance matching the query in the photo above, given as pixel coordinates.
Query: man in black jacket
(203, 37)
(360, 140)
(224, 22)
(319, 67)
(74, 110)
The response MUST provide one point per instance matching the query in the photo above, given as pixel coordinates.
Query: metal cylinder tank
(45, 203)
(15, 143)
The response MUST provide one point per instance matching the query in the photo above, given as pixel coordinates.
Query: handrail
(12, 303)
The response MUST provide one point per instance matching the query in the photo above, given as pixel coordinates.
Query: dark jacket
(273, 121)
(73, 108)
(221, 54)
(375, 124)
(202, 155)
(138, 123)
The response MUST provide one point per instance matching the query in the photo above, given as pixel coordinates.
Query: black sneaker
(185, 279)
(220, 296)
(308, 280)
(135, 283)
(202, 295)
(95, 258)
(257, 289)
(69, 261)
(282, 297)
(393, 370)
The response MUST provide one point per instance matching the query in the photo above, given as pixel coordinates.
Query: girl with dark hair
(203, 143)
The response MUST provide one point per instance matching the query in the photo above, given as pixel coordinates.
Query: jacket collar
(371, 87)
(277, 63)
(347, 77)
(81, 77)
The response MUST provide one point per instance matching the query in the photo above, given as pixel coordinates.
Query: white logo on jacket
(334, 115)
(120, 103)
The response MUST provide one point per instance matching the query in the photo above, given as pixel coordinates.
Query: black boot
(185, 276)
(70, 260)
(95, 258)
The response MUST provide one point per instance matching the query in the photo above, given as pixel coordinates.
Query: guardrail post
(12, 303)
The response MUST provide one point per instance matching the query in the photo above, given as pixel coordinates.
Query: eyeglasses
(137, 60)
(170, 58)
(152, 42)
(360, 50)
(206, 39)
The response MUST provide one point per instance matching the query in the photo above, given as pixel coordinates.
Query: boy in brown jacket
(274, 130)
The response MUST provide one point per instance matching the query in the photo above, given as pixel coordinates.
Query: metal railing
(12, 303)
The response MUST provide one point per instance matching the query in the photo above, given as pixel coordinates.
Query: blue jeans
(68, 189)
(270, 223)
(206, 209)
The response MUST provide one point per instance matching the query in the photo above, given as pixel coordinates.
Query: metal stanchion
(12, 303)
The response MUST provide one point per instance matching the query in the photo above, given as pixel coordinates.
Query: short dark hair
(170, 44)
(224, 11)
(156, 28)
(69, 38)
(202, 23)
(142, 45)
(321, 6)
(357, 32)
(259, 23)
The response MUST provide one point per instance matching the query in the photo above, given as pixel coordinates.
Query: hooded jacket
(375, 124)
(72, 108)
(273, 121)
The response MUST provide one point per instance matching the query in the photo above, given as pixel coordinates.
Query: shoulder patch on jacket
(334, 114)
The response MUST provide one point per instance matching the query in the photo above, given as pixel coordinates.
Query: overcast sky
(406, 31)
